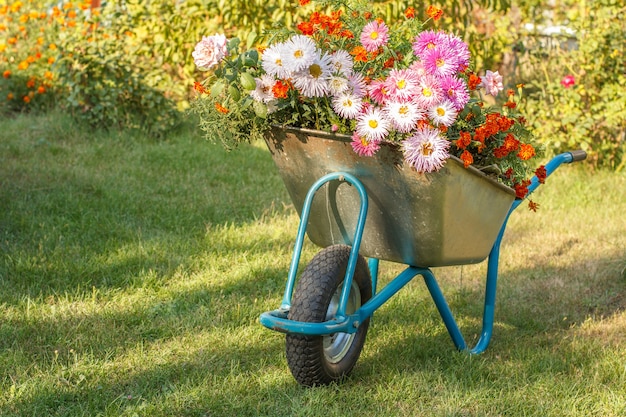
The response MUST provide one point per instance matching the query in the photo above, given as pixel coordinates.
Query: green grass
(133, 271)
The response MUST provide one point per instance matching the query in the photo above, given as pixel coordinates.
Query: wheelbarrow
(377, 208)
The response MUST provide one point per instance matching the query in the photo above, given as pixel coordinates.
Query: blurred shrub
(577, 79)
(28, 51)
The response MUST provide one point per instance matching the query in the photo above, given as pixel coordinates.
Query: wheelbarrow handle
(578, 155)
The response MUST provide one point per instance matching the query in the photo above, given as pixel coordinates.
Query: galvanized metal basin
(449, 217)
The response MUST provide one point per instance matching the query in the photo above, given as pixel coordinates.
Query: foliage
(351, 84)
(577, 81)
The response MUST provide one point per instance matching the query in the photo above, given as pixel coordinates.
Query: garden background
(136, 256)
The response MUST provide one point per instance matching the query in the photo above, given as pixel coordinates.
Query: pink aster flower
(426, 150)
(209, 51)
(378, 91)
(428, 40)
(363, 146)
(375, 34)
(440, 61)
(401, 84)
(429, 92)
(492, 82)
(460, 49)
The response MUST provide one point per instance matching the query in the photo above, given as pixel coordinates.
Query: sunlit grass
(133, 271)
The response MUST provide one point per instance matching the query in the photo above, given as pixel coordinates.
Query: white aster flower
(273, 61)
(403, 115)
(263, 91)
(299, 52)
(312, 81)
(337, 85)
(443, 113)
(373, 125)
(347, 105)
(342, 62)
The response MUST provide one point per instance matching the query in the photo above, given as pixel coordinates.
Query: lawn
(133, 272)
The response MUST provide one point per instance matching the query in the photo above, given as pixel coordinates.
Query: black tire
(320, 360)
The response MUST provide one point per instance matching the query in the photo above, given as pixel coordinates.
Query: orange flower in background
(532, 206)
(26, 99)
(304, 2)
(409, 13)
(473, 81)
(41, 89)
(434, 12)
(12, 41)
(464, 140)
(30, 83)
(22, 65)
(221, 108)
(51, 60)
(6, 74)
(307, 28)
(199, 87)
(10, 96)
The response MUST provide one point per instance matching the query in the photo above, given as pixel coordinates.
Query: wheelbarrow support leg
(490, 301)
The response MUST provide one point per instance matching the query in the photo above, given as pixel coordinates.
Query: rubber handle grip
(578, 155)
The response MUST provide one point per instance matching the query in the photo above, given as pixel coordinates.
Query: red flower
(521, 189)
(541, 174)
(307, 28)
(532, 206)
(568, 81)
(409, 13)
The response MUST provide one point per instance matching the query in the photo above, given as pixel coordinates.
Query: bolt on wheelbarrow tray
(448, 217)
(377, 207)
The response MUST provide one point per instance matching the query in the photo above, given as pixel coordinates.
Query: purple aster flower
(455, 90)
(440, 61)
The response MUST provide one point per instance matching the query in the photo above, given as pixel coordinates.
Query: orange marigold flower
(473, 81)
(304, 2)
(367, 15)
(10, 96)
(30, 59)
(409, 13)
(434, 12)
(464, 140)
(532, 206)
(22, 65)
(48, 75)
(41, 89)
(51, 60)
(541, 174)
(221, 108)
(6, 74)
(280, 89)
(52, 47)
(307, 28)
(526, 152)
(359, 53)
(510, 104)
(30, 83)
(12, 41)
(26, 99)
(467, 158)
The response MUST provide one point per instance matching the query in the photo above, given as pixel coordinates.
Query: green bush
(28, 33)
(577, 95)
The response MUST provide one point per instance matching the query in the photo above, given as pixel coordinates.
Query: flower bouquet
(347, 71)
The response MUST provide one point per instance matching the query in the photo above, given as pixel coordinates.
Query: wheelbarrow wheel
(320, 360)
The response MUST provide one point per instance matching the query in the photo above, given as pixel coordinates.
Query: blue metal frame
(277, 319)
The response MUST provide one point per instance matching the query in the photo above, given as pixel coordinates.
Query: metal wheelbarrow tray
(377, 207)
